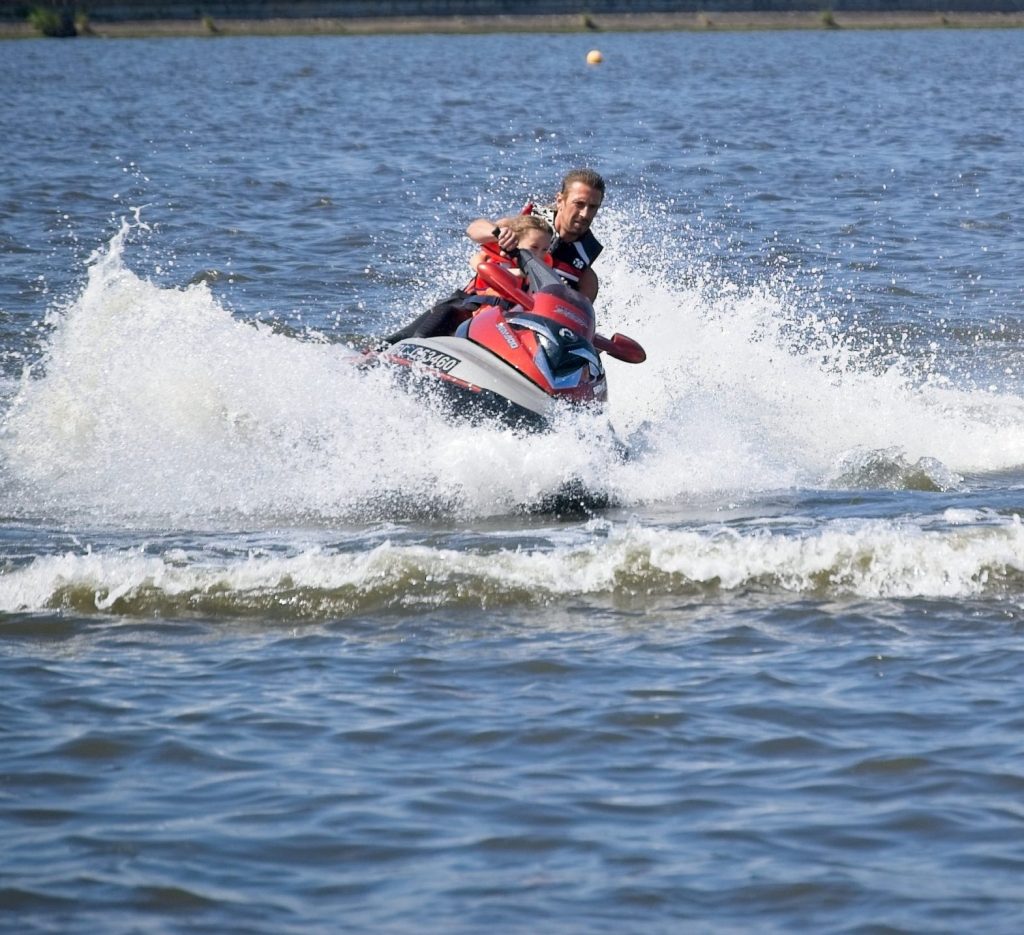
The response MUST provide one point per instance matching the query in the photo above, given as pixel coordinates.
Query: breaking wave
(956, 554)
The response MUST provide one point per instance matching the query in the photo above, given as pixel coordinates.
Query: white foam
(157, 402)
(756, 386)
(850, 558)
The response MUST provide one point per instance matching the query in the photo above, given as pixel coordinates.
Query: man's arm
(588, 283)
(482, 231)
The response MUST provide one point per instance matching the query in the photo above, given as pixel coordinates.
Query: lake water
(284, 651)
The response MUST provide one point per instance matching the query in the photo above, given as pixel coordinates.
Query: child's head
(533, 233)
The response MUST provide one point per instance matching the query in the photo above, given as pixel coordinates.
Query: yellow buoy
(594, 57)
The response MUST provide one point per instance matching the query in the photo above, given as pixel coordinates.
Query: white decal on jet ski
(507, 335)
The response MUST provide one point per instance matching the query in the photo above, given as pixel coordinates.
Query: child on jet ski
(531, 232)
(574, 248)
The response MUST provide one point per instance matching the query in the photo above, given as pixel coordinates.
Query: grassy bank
(636, 22)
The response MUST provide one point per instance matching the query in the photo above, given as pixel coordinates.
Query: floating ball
(594, 57)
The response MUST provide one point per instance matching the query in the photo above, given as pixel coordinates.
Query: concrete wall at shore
(113, 11)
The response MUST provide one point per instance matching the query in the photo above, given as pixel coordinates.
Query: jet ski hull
(470, 382)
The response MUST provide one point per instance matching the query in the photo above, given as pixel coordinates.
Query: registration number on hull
(428, 357)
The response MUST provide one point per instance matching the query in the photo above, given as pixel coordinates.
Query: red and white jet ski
(519, 364)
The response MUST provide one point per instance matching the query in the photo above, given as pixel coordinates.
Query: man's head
(577, 203)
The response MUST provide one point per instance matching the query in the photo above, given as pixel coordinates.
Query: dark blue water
(284, 650)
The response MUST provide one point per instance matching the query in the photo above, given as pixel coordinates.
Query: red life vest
(494, 255)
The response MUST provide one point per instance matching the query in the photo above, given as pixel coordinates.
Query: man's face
(575, 209)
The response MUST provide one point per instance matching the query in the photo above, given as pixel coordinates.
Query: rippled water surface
(284, 650)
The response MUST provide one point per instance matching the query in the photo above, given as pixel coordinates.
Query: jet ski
(520, 361)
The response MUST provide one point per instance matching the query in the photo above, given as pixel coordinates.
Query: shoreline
(580, 23)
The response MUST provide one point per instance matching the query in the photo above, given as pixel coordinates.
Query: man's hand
(507, 239)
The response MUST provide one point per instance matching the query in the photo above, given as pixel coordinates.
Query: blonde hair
(522, 223)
